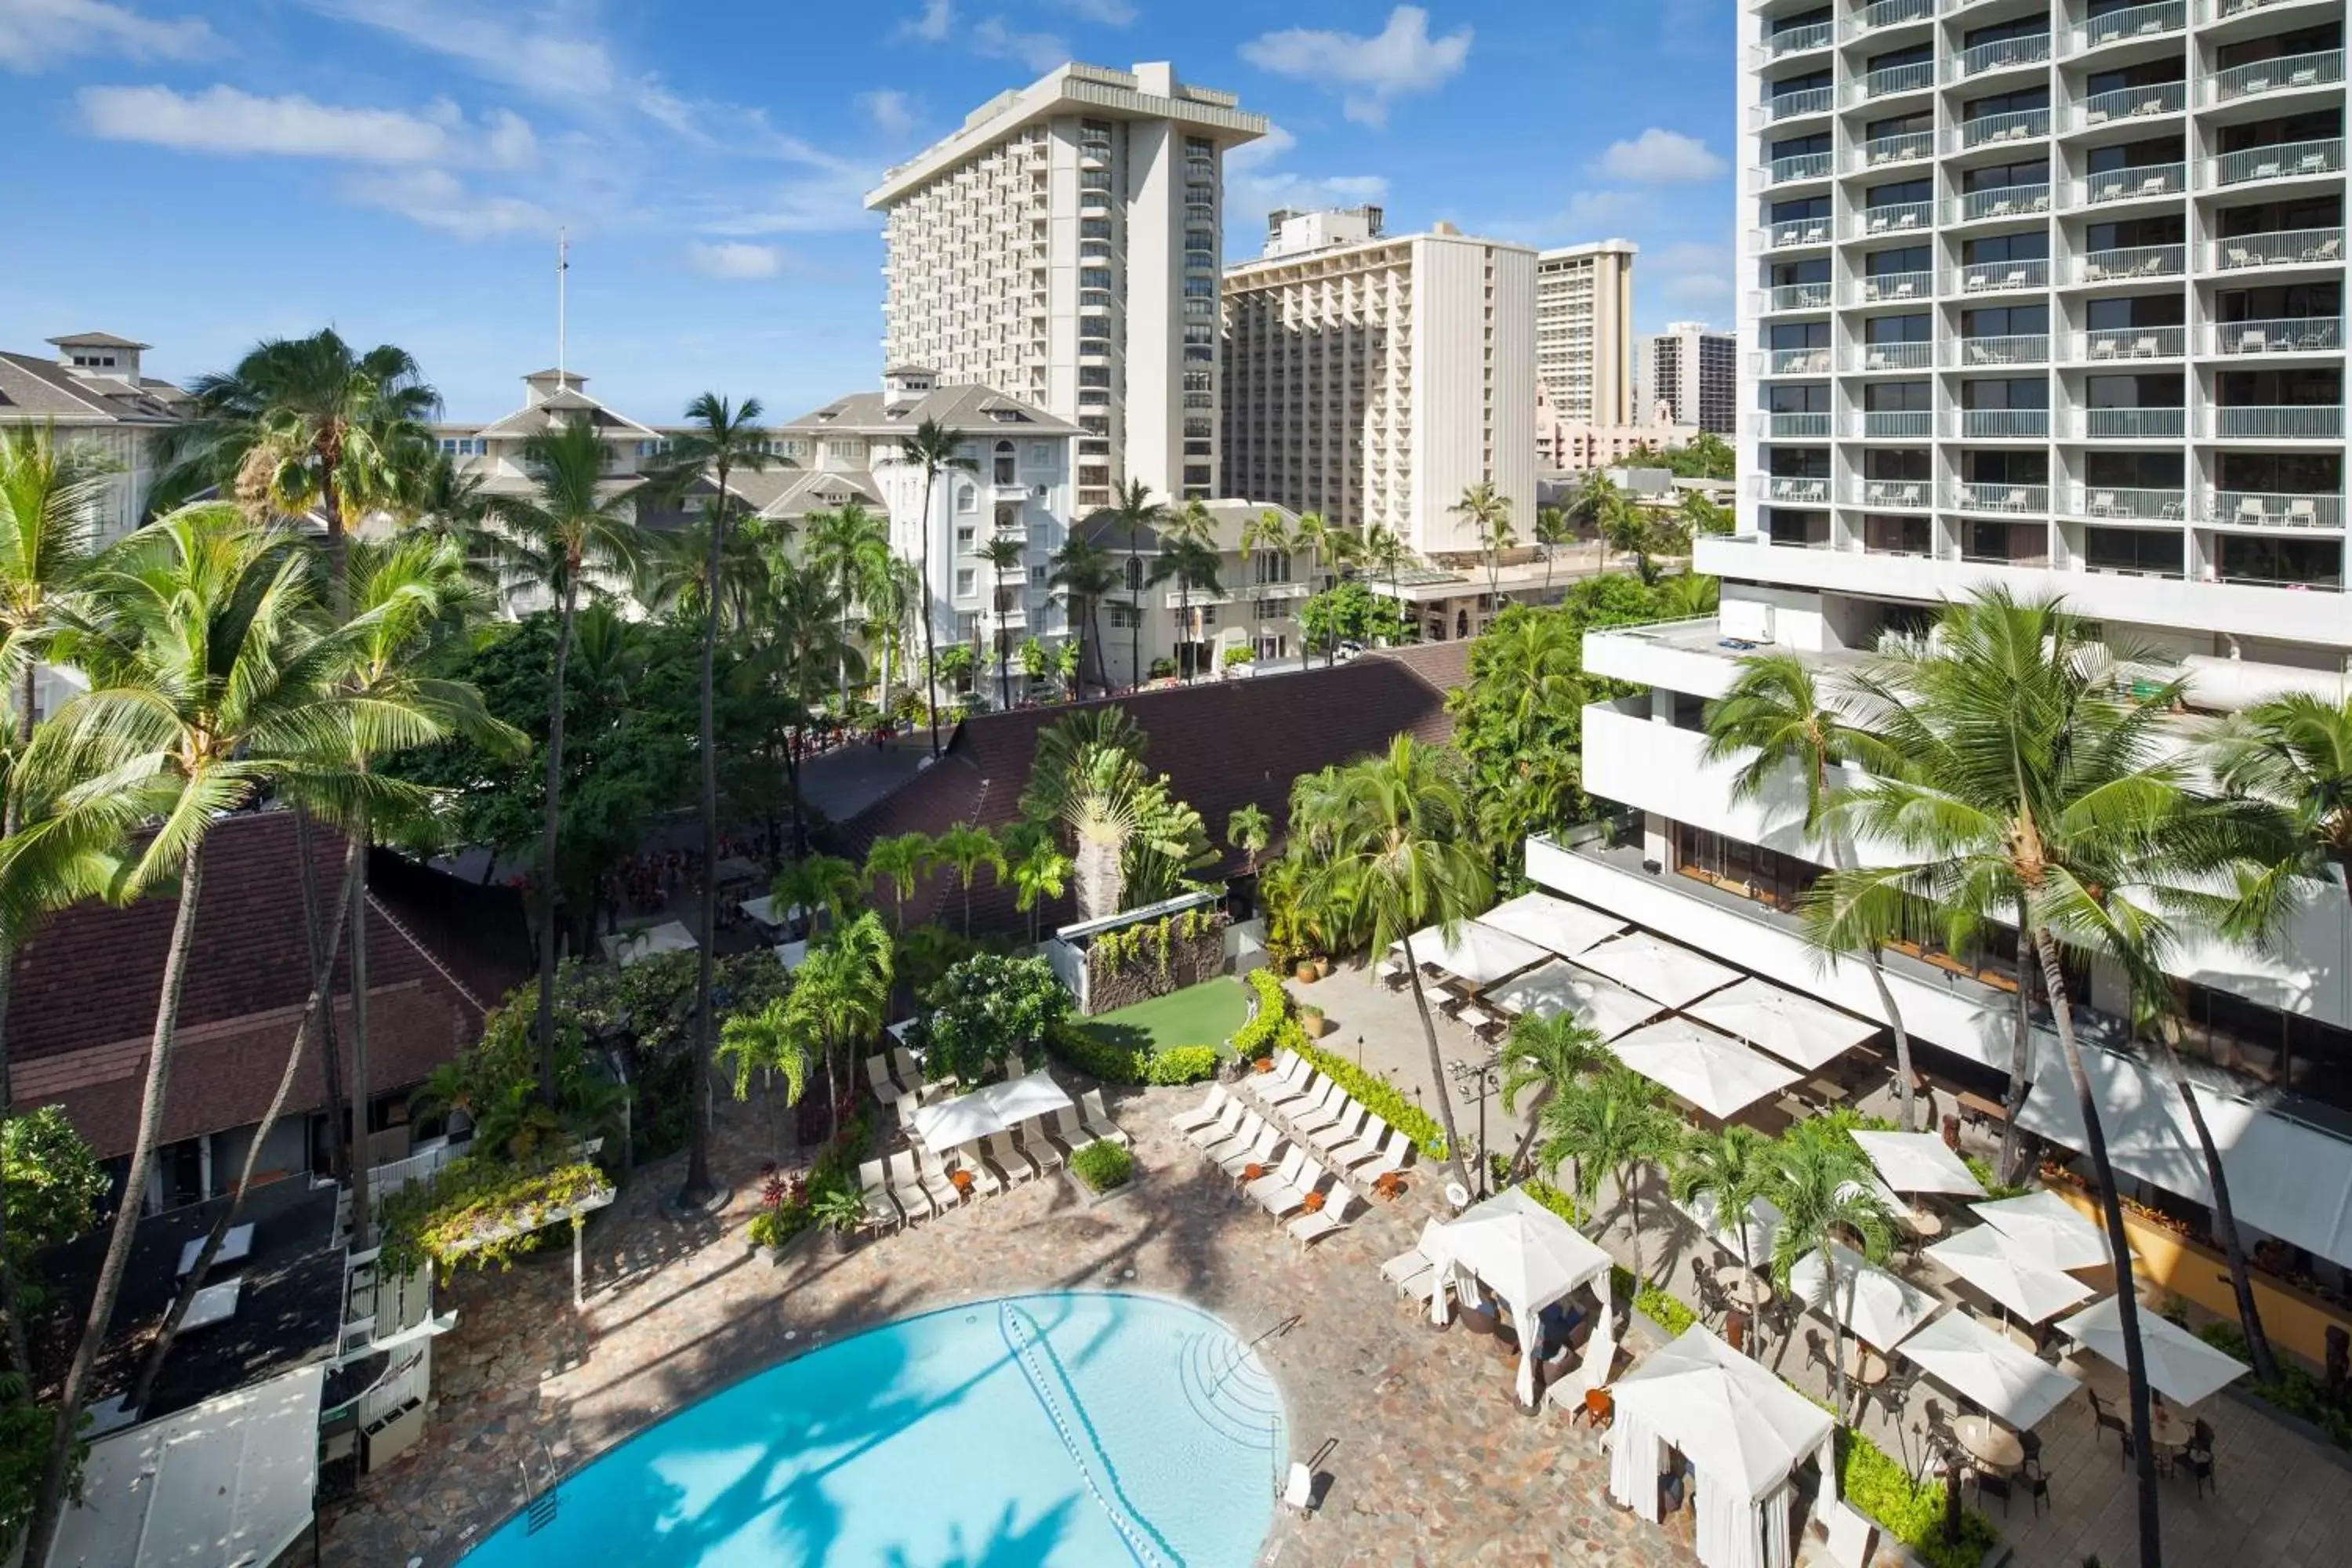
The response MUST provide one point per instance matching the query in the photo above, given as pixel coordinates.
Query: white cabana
(1673, 976)
(2181, 1367)
(1714, 1072)
(943, 1124)
(1879, 1308)
(1558, 987)
(626, 947)
(1918, 1163)
(1564, 928)
(1991, 1262)
(2048, 1227)
(1764, 1217)
(1743, 1430)
(1795, 1028)
(2008, 1384)
(228, 1481)
(1527, 1255)
(1478, 955)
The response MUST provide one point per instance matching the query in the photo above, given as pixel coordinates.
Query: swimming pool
(1077, 1427)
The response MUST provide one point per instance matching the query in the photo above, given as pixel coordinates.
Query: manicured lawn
(1203, 1015)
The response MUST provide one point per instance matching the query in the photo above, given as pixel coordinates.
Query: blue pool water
(1079, 1427)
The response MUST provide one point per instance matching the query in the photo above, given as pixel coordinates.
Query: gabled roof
(967, 410)
(36, 388)
(796, 492)
(538, 416)
(97, 341)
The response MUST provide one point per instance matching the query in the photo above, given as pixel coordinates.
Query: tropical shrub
(1103, 1165)
(482, 1211)
(55, 1184)
(1237, 653)
(2294, 1391)
(1076, 1046)
(1911, 1510)
(1259, 1037)
(1373, 1092)
(989, 1007)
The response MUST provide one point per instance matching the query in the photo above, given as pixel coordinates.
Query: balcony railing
(1799, 489)
(2031, 48)
(2296, 422)
(2273, 509)
(1982, 495)
(1797, 427)
(2284, 73)
(2131, 343)
(1897, 216)
(2222, 10)
(1916, 77)
(1903, 149)
(2277, 248)
(1909, 494)
(2101, 502)
(1798, 297)
(2022, 348)
(2137, 184)
(1793, 41)
(1997, 277)
(1797, 231)
(1888, 14)
(2004, 424)
(1991, 129)
(1870, 357)
(2130, 103)
(2132, 22)
(2286, 335)
(1797, 166)
(1882, 424)
(2131, 261)
(2005, 200)
(1793, 361)
(1894, 286)
(2133, 423)
(1784, 106)
(2280, 160)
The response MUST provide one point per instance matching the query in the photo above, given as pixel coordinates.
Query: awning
(1712, 1072)
(944, 1124)
(1675, 976)
(1918, 1163)
(626, 947)
(1794, 1028)
(228, 1482)
(2047, 1227)
(2183, 1367)
(1524, 1253)
(2005, 1382)
(1880, 1308)
(1478, 954)
(1992, 1263)
(1557, 987)
(1564, 928)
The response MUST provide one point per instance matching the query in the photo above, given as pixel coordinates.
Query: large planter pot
(1315, 1025)
(1306, 973)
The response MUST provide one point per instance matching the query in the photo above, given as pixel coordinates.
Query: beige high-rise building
(1374, 378)
(1064, 247)
(1584, 330)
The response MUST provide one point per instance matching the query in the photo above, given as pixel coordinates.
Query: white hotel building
(2047, 296)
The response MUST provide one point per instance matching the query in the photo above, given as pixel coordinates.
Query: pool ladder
(539, 1502)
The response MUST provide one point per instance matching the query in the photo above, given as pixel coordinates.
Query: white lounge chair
(1098, 1121)
(1344, 1130)
(1244, 1135)
(1035, 1142)
(906, 1069)
(966, 1157)
(1203, 1115)
(1301, 1091)
(1256, 1151)
(1309, 1228)
(1393, 1158)
(878, 1078)
(1327, 1115)
(1290, 1198)
(1365, 1145)
(936, 1183)
(1281, 1178)
(1413, 1272)
(1290, 1075)
(881, 1213)
(1011, 1163)
(1072, 1135)
(1590, 1371)
(911, 1192)
(1298, 1491)
(1324, 1098)
(1228, 1123)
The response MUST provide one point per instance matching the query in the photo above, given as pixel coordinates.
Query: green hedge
(1374, 1093)
(1075, 1046)
(2296, 1391)
(1103, 1165)
(1911, 1510)
(1265, 1031)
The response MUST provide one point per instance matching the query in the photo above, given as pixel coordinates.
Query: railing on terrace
(1991, 129)
(1793, 41)
(1797, 166)
(1879, 424)
(1798, 427)
(2131, 261)
(2129, 103)
(1902, 149)
(2006, 201)
(2298, 584)
(2138, 183)
(2277, 248)
(2296, 422)
(1798, 297)
(1983, 496)
(2022, 348)
(1784, 106)
(1793, 362)
(1907, 494)
(1916, 77)
(1888, 286)
(2001, 54)
(2290, 334)
(1887, 14)
(1797, 231)
(2104, 501)
(2133, 423)
(2279, 161)
(2284, 73)
(2132, 22)
(1794, 488)
(1870, 357)
(2131, 343)
(2004, 424)
(1993, 277)
(1897, 216)
(2273, 509)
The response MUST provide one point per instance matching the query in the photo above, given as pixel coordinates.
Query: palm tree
(1084, 576)
(1384, 548)
(574, 527)
(888, 595)
(1269, 535)
(1612, 1123)
(1734, 1167)
(1133, 511)
(2294, 753)
(795, 649)
(826, 883)
(770, 1043)
(1039, 871)
(1064, 660)
(1249, 831)
(1547, 1054)
(1191, 565)
(851, 546)
(933, 448)
(1488, 513)
(673, 572)
(1825, 1189)
(1553, 529)
(1003, 554)
(965, 849)
(1395, 836)
(1777, 718)
(903, 858)
(840, 996)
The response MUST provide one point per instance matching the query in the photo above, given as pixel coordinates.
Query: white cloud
(1255, 186)
(552, 53)
(1400, 60)
(930, 23)
(226, 121)
(1109, 13)
(36, 33)
(1659, 156)
(438, 199)
(733, 261)
(992, 39)
(1694, 273)
(829, 201)
(509, 144)
(892, 113)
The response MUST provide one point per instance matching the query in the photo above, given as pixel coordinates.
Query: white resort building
(1584, 331)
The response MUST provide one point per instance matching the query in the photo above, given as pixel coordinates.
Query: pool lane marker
(1049, 1381)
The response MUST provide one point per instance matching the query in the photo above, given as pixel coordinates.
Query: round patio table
(2166, 1429)
(1862, 1364)
(1923, 1223)
(1742, 1287)
(1994, 1446)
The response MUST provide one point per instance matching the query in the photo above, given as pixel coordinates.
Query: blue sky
(207, 174)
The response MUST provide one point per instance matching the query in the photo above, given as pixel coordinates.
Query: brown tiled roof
(1443, 664)
(1222, 745)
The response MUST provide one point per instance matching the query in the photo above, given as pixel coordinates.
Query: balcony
(2271, 509)
(1895, 425)
(2129, 103)
(2001, 54)
(1797, 427)
(1798, 297)
(2130, 343)
(1984, 497)
(1890, 286)
(2131, 262)
(1870, 357)
(2144, 183)
(1790, 233)
(2006, 201)
(1791, 362)
(1904, 495)
(1791, 490)
(2286, 73)
(2023, 348)
(2287, 335)
(2132, 22)
(2131, 424)
(2105, 504)
(1782, 107)
(1906, 148)
(2004, 424)
(1887, 14)
(2295, 422)
(2003, 277)
(1993, 130)
(1798, 166)
(2277, 248)
(1790, 41)
(2280, 160)
(1917, 76)
(1897, 216)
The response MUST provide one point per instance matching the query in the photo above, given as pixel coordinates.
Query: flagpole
(563, 266)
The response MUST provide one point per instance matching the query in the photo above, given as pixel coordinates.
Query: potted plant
(1311, 1019)
(841, 1214)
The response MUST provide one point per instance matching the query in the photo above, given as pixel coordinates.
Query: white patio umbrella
(626, 947)
(2012, 1385)
(1879, 1308)
(2183, 1367)
(1478, 954)
(1673, 975)
(1987, 1260)
(1558, 987)
(945, 1123)
(1525, 1253)
(763, 910)
(792, 954)
(1712, 1072)
(1795, 1028)
(1917, 1163)
(1764, 1217)
(1555, 923)
(2048, 1227)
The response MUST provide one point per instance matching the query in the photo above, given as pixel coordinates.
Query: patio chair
(1297, 1111)
(1363, 1147)
(1410, 1270)
(1072, 1135)
(1245, 1133)
(1098, 1121)
(2240, 255)
(1393, 1157)
(934, 1182)
(878, 1078)
(1991, 1485)
(1203, 1115)
(1307, 1124)
(1034, 1140)
(1290, 1071)
(1340, 1133)
(1817, 1354)
(2108, 1421)
(1301, 1091)
(2304, 512)
(1309, 1228)
(1257, 1151)
(1289, 1200)
(985, 1181)
(2197, 1462)
(881, 1213)
(2249, 509)
(1228, 1123)
(2102, 503)
(906, 1069)
(2030, 1475)
(1281, 1178)
(910, 1191)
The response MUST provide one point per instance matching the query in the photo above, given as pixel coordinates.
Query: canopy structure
(2183, 1367)
(1744, 1432)
(228, 1481)
(1527, 1255)
(2007, 1382)
(1795, 1028)
(1990, 1261)
(1672, 976)
(1478, 955)
(2048, 1227)
(1764, 1217)
(1558, 987)
(626, 947)
(943, 1124)
(1712, 1072)
(763, 910)
(1879, 1308)
(1917, 1163)
(1555, 923)
(792, 954)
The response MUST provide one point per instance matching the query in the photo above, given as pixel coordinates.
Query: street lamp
(1476, 1081)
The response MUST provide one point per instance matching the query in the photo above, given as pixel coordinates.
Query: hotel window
(964, 581)
(967, 499)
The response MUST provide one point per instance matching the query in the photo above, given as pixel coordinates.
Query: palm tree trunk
(1841, 858)
(1436, 1069)
(355, 878)
(314, 934)
(2151, 1544)
(698, 1187)
(543, 1019)
(2020, 1055)
(40, 1532)
(923, 605)
(2225, 1219)
(20, 1356)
